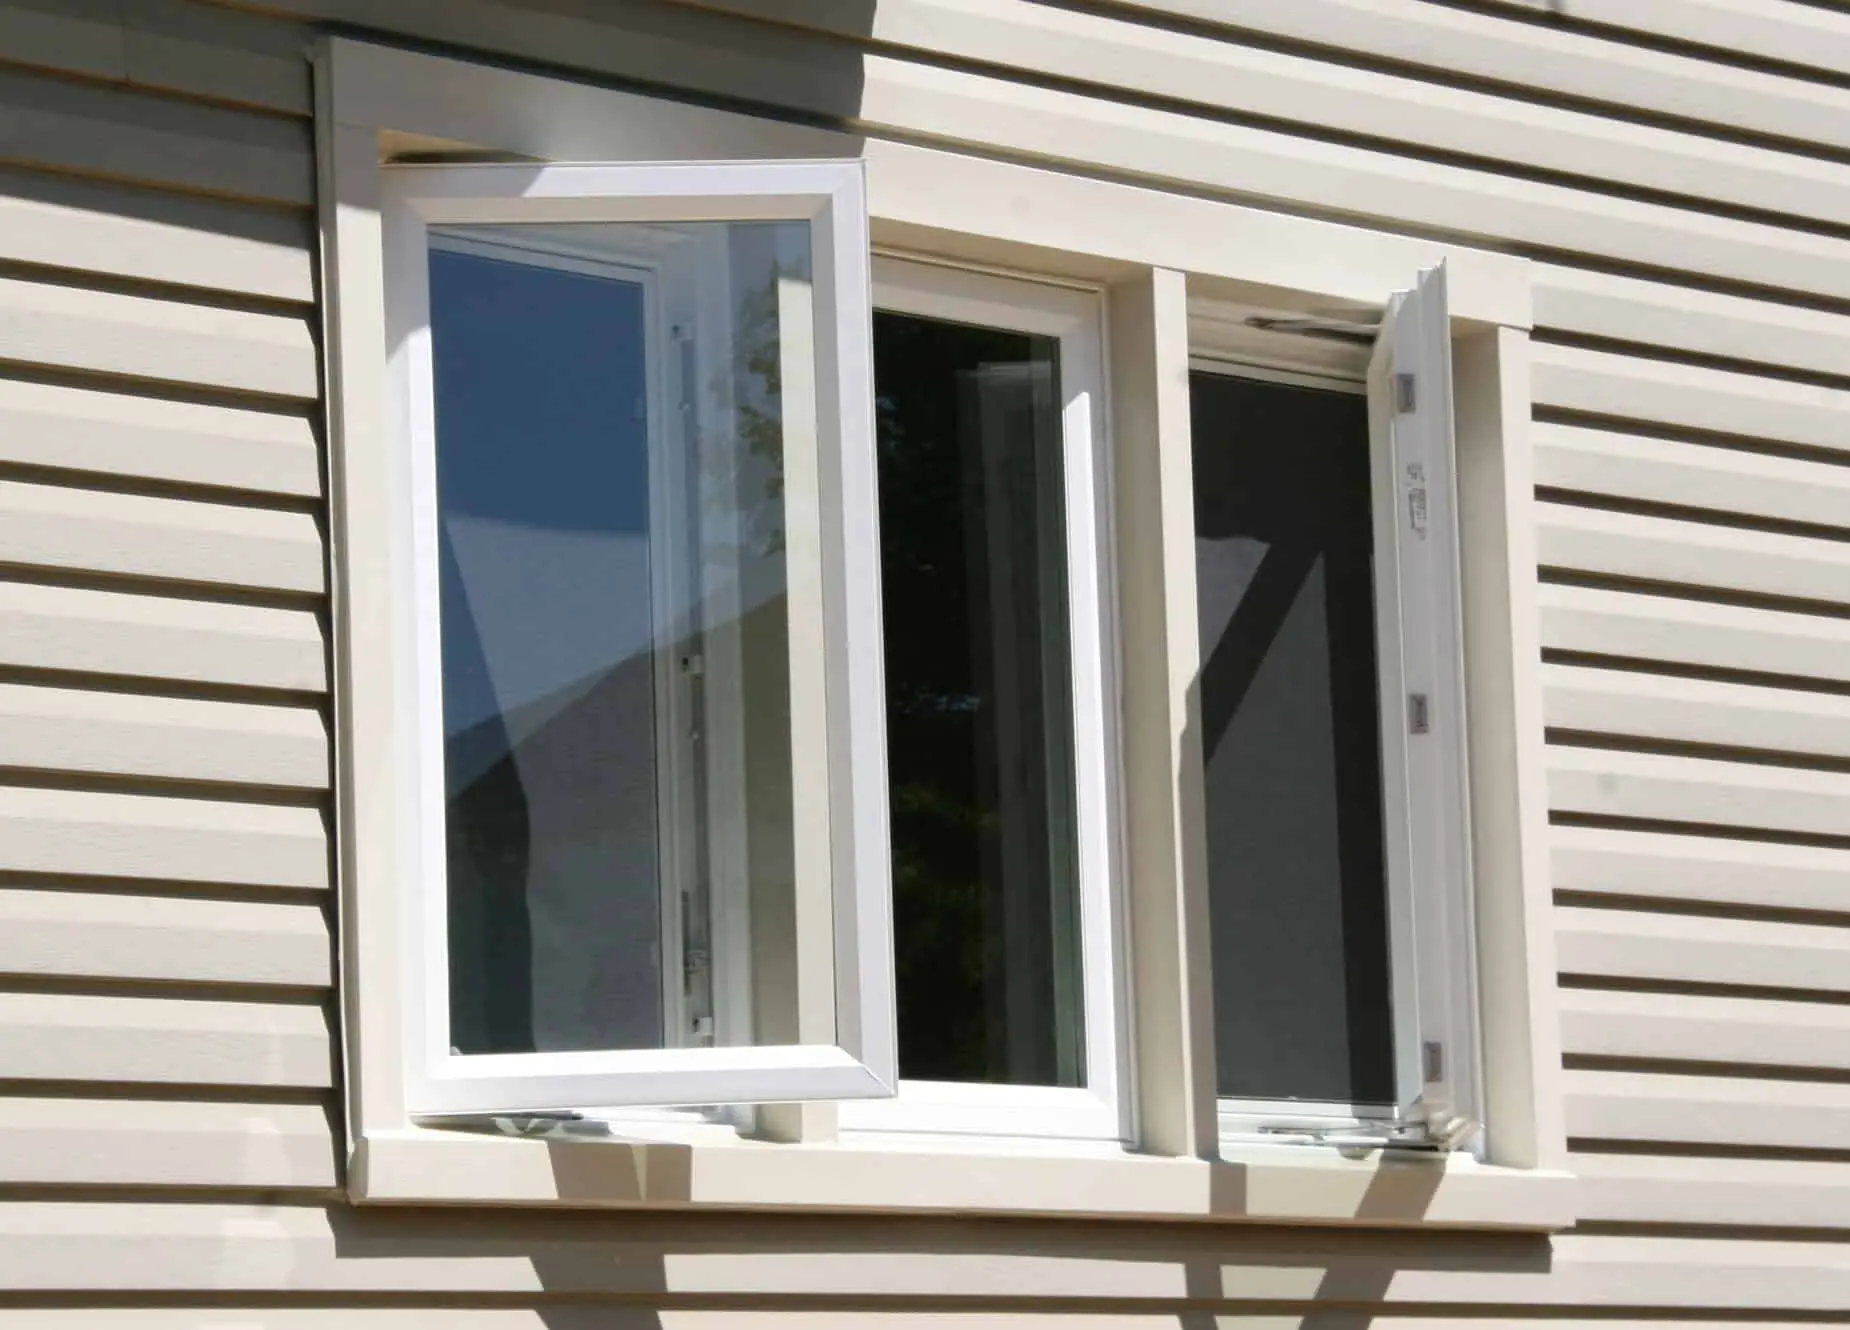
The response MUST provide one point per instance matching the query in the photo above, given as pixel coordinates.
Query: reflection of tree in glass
(932, 717)
(749, 391)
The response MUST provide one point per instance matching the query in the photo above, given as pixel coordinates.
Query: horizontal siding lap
(170, 738)
(160, 637)
(108, 935)
(1728, 480)
(167, 45)
(1681, 551)
(1544, 60)
(1693, 949)
(1694, 322)
(217, 53)
(122, 134)
(1692, 632)
(166, 1143)
(1696, 711)
(1798, 34)
(1657, 787)
(227, 544)
(1707, 1110)
(1747, 1032)
(121, 434)
(229, 1248)
(1704, 869)
(1775, 1193)
(103, 332)
(110, 1040)
(1689, 396)
(105, 230)
(158, 838)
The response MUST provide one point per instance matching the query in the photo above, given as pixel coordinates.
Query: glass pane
(1289, 716)
(979, 703)
(615, 644)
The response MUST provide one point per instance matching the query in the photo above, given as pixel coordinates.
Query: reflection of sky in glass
(578, 556)
(548, 697)
(543, 473)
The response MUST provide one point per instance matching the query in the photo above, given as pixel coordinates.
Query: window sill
(1283, 1184)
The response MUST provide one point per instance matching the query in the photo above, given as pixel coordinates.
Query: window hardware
(1359, 1136)
(1419, 721)
(1404, 397)
(1416, 498)
(1314, 325)
(1432, 1061)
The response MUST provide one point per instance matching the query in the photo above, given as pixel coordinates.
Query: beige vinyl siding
(165, 952)
(166, 955)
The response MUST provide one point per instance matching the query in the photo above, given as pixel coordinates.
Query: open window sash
(1420, 644)
(818, 1021)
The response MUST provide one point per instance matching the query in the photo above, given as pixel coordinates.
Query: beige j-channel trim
(1153, 251)
(1284, 1184)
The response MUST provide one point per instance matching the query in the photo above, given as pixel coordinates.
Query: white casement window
(641, 577)
(924, 681)
(1333, 718)
(1420, 632)
(990, 427)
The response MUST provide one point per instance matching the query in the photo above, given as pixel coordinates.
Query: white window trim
(1154, 251)
(1074, 315)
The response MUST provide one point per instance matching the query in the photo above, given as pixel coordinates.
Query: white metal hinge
(1419, 721)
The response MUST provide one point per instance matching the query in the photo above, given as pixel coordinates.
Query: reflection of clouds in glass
(609, 432)
(1224, 570)
(551, 608)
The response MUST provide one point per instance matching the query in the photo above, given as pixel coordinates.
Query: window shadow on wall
(615, 1269)
(670, 48)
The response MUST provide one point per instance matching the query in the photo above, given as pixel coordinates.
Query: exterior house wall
(170, 1144)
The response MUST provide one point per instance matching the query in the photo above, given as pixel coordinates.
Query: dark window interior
(979, 711)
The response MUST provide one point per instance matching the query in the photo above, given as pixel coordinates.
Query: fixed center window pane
(614, 601)
(979, 703)
(1291, 742)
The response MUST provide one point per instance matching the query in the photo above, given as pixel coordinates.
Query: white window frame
(833, 595)
(1424, 722)
(1406, 376)
(1154, 252)
(1074, 315)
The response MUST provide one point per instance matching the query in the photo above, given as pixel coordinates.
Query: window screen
(1290, 740)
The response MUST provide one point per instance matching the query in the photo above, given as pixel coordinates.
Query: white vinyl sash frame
(1419, 636)
(1075, 317)
(844, 989)
(1426, 791)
